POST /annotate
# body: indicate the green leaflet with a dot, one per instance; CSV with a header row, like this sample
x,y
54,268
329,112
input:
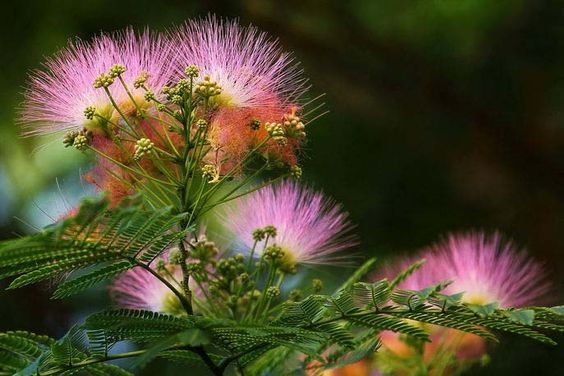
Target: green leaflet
x,y
76,285
363,347
371,295
406,273
118,238
384,322
185,356
359,273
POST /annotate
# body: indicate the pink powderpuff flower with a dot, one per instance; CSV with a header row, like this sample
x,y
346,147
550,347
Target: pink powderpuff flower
x,y
139,289
310,228
56,97
259,84
250,67
485,268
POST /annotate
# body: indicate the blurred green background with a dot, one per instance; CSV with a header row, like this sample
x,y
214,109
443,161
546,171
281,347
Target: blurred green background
x,y
445,115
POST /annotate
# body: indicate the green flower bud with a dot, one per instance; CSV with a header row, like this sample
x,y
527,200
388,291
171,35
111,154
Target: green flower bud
x,y
211,173
89,112
68,140
176,257
208,88
272,292
142,147
276,131
317,285
140,81
270,230
259,234
244,277
116,70
296,172
103,80
161,265
149,96
255,125
202,123
192,71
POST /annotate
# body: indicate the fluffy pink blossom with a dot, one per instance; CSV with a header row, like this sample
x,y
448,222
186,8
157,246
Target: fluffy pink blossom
x,y
311,228
139,289
486,268
250,67
57,96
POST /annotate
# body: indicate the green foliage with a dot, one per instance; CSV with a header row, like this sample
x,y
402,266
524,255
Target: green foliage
x,y
330,330
110,241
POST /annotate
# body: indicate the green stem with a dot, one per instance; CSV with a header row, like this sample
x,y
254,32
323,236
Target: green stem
x,y
183,299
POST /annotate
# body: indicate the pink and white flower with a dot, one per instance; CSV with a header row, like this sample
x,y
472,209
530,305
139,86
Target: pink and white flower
x,y
58,95
486,268
251,68
139,289
311,228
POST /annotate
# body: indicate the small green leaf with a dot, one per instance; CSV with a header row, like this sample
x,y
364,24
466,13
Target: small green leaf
x,y
194,337
483,310
522,316
559,310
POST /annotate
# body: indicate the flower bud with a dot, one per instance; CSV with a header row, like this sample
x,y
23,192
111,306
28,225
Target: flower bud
x,y
89,112
142,147
317,285
103,80
296,172
272,292
192,71
116,70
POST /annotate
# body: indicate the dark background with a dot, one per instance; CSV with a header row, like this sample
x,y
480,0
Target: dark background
x,y
445,115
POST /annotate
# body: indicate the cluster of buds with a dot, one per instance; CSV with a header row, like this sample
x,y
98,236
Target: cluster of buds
x,y
231,268
296,172
202,123
276,131
208,88
210,173
143,146
149,96
272,292
204,250
192,71
255,125
274,254
196,271
116,70
78,139
261,233
294,126
175,94
107,79
103,80
90,112
176,258
141,80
